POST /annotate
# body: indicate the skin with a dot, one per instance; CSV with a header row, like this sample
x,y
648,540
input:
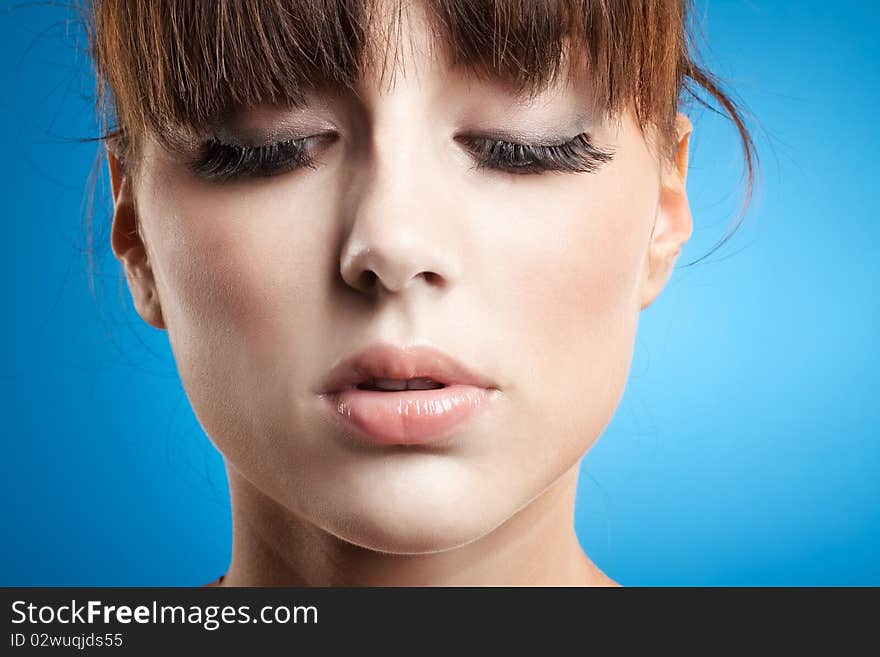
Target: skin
x,y
537,282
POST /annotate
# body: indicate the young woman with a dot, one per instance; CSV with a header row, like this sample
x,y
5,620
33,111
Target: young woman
x,y
400,250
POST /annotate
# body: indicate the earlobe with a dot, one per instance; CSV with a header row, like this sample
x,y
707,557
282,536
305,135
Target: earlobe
x,y
129,247
673,224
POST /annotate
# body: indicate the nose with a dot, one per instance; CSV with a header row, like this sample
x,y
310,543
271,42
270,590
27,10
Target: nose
x,y
400,233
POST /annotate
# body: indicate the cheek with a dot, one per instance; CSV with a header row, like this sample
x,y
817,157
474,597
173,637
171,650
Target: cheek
x,y
240,293
226,273
572,303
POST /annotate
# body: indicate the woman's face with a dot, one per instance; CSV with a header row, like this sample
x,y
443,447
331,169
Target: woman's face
x,y
537,281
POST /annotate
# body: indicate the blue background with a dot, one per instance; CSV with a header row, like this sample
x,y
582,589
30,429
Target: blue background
x,y
744,452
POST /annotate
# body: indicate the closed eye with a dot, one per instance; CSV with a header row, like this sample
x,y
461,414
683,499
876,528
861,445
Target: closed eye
x,y
220,161
578,155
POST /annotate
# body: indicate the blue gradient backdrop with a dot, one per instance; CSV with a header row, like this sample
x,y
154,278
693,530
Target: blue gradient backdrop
x,y
745,450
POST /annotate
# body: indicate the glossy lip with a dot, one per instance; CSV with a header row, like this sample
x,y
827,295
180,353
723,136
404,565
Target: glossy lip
x,y
407,417
391,362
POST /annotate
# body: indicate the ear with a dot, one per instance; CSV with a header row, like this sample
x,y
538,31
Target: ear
x,y
129,247
674,224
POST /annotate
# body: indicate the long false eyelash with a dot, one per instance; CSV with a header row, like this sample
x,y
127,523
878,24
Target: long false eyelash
x,y
220,161
223,161
579,154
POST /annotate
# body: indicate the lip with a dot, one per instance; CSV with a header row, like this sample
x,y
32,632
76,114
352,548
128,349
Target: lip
x,y
407,417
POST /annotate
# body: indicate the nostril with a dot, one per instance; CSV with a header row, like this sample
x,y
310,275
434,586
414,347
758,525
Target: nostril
x,y
368,279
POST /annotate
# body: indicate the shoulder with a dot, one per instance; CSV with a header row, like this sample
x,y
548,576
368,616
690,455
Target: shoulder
x,y
216,582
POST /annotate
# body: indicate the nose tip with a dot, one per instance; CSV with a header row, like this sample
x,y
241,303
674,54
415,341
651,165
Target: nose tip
x,y
374,271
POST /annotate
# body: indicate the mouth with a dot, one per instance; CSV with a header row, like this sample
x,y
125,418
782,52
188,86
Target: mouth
x,y
386,395
389,368
379,384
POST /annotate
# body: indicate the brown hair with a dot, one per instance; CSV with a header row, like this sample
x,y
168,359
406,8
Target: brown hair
x,y
166,65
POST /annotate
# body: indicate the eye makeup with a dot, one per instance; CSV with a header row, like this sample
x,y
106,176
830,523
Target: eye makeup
x,y
577,155
221,161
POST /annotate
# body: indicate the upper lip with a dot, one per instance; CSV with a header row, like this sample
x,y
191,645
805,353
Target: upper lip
x,y
383,360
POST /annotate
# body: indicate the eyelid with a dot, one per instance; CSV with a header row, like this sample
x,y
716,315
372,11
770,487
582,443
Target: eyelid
x,y
580,154
264,141
222,161
514,139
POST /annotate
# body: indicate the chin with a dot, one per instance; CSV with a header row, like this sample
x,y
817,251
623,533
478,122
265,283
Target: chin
x,y
425,536
419,521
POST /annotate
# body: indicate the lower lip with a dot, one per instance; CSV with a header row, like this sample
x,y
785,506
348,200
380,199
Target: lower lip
x,y
408,417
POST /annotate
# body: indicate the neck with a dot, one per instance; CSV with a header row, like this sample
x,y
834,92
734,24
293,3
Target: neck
x,y
537,546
